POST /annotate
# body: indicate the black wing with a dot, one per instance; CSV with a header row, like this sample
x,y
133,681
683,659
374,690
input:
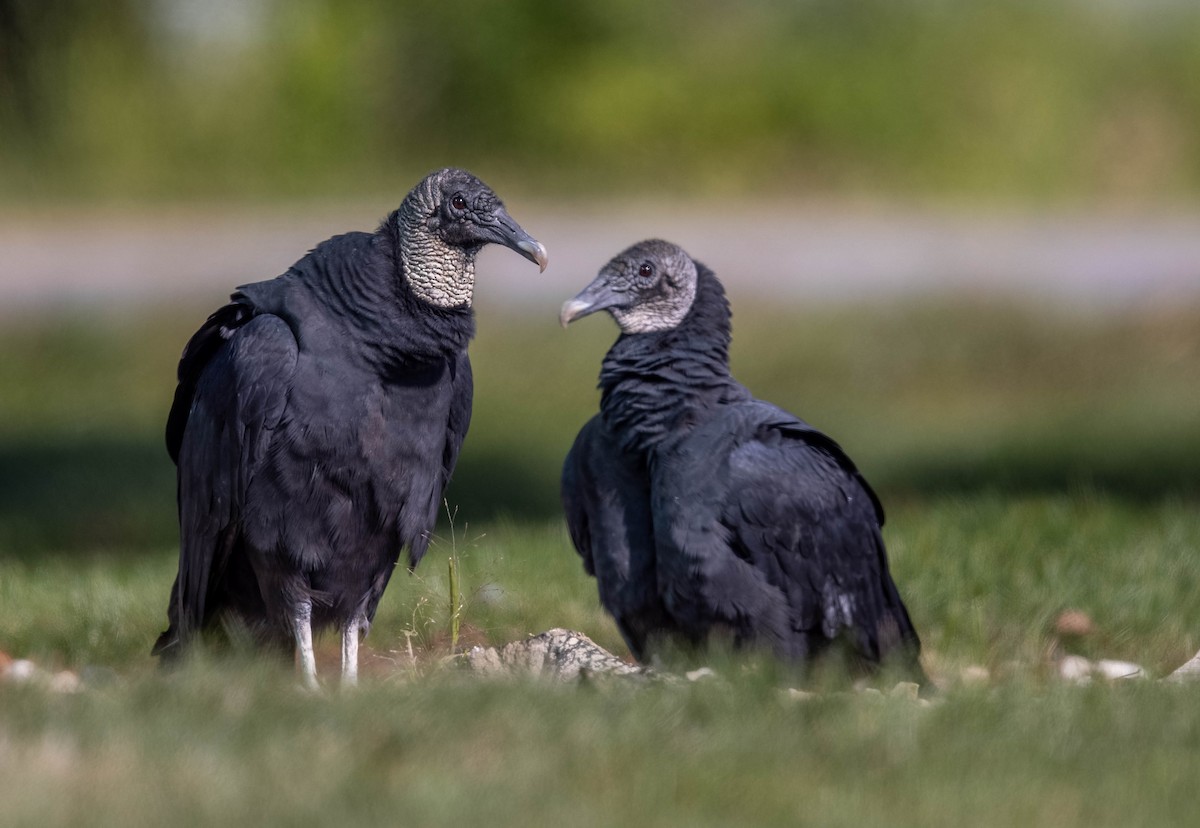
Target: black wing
x,y
764,525
578,491
798,515
458,420
606,498
234,381
199,351
463,384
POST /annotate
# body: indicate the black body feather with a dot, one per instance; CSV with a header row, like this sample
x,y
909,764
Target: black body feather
x,y
699,508
317,419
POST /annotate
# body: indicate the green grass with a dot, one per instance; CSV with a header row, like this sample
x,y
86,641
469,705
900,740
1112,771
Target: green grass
x,y
984,576
1031,461
246,747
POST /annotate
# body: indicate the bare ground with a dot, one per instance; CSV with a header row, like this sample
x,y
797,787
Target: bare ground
x,y
790,251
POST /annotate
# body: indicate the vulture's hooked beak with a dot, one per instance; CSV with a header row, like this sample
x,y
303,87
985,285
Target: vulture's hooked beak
x,y
597,296
504,230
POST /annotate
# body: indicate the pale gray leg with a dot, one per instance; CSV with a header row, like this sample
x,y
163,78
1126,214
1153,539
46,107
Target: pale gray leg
x,y
302,626
350,635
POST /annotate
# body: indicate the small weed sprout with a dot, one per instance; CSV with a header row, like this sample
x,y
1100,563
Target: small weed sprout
x,y
456,602
426,620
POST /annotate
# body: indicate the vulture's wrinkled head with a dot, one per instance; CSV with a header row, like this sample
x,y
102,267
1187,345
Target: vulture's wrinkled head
x,y
444,222
647,288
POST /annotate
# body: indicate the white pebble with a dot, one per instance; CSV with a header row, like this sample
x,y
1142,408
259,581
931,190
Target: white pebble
x,y
64,682
1188,672
975,675
1119,669
1079,670
1075,669
21,671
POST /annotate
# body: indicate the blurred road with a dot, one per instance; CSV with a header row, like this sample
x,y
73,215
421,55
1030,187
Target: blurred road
x,y
789,252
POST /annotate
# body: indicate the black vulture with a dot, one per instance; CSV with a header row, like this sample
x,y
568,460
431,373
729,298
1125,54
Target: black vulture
x,y
701,510
317,419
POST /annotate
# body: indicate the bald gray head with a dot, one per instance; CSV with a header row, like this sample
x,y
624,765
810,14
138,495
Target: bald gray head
x,y
648,288
443,223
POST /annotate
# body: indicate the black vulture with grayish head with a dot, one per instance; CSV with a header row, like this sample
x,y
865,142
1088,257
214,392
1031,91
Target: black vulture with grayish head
x,y
317,420
700,509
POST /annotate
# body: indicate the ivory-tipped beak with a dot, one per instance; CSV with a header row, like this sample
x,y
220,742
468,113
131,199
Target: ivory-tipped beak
x,y
501,229
597,296
536,251
572,309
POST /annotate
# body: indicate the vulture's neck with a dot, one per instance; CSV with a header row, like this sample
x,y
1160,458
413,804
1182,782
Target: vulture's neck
x,y
656,385
414,328
348,295
439,274
391,327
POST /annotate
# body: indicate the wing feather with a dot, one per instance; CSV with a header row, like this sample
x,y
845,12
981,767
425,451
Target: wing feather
x,y
606,500
763,525
235,399
799,515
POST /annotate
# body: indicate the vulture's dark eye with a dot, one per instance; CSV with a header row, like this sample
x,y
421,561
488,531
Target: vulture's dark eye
x,y
646,270
458,202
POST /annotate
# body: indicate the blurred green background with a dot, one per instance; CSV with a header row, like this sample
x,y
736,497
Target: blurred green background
x,y
122,123
1016,99
195,108
961,237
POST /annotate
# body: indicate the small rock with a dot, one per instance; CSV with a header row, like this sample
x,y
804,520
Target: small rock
x,y
1189,671
906,690
974,675
1075,669
701,673
1079,670
1074,623
21,671
558,654
484,660
795,694
64,682
1116,670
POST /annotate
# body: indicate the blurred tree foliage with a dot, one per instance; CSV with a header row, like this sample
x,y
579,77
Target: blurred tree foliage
x,y
299,98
